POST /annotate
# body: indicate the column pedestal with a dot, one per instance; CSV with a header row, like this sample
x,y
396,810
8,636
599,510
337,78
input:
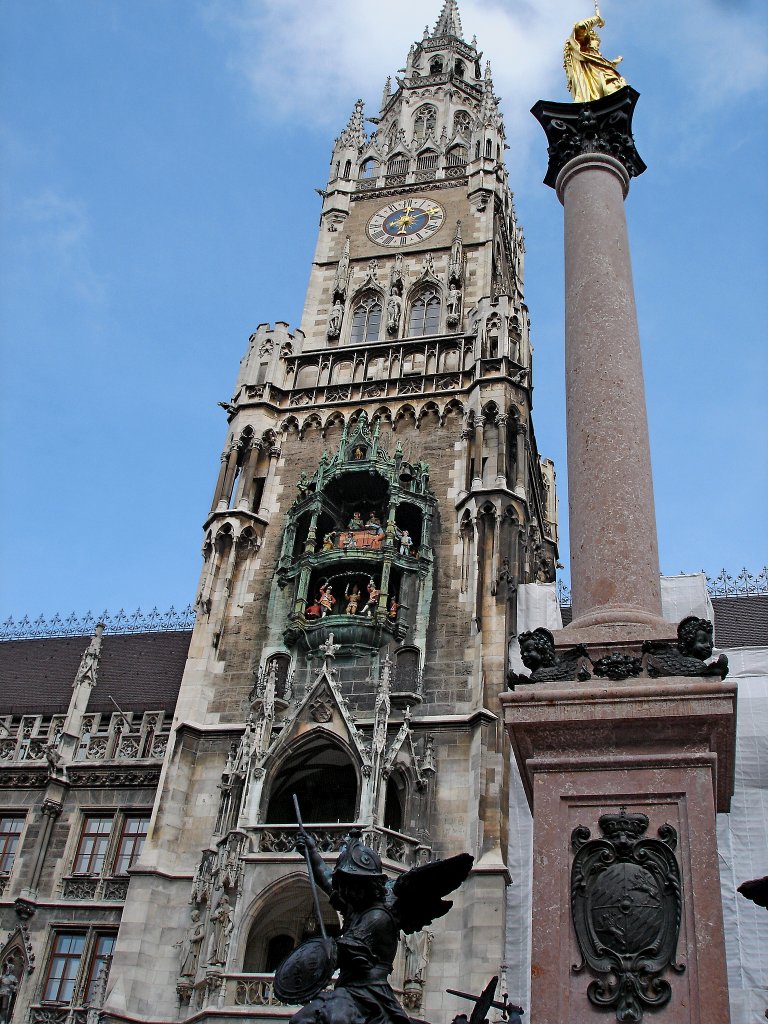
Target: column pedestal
x,y
663,748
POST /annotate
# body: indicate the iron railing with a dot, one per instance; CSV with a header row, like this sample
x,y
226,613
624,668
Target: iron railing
x,y
745,584
171,621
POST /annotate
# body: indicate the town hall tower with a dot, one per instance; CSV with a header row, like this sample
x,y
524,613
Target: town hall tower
x,y
379,499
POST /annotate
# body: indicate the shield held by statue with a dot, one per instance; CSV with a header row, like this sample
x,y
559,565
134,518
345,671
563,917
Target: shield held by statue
x,y
306,971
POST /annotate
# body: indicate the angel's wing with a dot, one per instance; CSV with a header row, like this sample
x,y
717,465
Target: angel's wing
x,y
417,896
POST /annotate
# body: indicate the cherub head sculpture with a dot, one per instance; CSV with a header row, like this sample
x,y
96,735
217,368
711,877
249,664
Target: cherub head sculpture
x,y
695,638
537,649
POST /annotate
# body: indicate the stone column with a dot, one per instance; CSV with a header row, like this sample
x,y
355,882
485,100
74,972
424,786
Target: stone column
x,y
614,553
501,453
229,476
477,477
520,457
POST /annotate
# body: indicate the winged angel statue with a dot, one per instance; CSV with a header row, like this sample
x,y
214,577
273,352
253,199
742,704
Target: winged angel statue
x,y
375,910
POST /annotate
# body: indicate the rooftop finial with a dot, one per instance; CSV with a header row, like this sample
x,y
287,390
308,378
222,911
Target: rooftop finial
x,y
449,22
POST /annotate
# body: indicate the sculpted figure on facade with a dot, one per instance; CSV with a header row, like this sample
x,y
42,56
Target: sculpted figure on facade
x,y
9,983
222,921
537,652
335,318
690,656
191,945
588,73
394,311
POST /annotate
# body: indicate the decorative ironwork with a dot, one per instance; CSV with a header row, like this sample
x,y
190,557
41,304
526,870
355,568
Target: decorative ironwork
x,y
172,621
626,905
745,584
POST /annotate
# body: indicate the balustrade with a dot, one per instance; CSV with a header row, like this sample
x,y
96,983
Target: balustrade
x,y
395,847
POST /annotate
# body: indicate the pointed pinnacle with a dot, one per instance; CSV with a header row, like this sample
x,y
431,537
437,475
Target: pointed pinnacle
x,y
449,22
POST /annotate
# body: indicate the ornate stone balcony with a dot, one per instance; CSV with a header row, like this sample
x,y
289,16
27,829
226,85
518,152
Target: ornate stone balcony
x,y
395,848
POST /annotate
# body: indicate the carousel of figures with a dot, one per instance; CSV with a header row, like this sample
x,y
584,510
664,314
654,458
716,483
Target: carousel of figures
x,y
326,600
375,910
373,598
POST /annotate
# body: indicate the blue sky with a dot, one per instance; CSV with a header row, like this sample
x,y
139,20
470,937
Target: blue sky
x,y
159,164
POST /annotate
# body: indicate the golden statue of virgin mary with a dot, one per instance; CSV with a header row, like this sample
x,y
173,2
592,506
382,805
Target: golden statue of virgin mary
x,y
589,74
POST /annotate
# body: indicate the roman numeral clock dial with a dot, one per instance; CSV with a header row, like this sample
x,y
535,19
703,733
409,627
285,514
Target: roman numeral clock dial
x,y
405,222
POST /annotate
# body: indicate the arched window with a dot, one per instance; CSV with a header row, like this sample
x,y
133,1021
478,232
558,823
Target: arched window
x,y
394,804
458,69
436,66
462,123
427,160
424,122
425,315
489,149
407,669
457,156
280,664
477,150
369,168
347,169
342,372
323,778
287,919
307,375
366,320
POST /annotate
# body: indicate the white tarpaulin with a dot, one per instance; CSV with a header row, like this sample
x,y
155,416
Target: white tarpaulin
x,y
742,834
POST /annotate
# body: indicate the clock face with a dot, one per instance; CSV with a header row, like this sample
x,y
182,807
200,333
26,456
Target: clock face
x,y
405,222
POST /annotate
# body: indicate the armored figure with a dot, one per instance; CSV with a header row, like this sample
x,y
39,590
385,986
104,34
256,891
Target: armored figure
x,y
374,910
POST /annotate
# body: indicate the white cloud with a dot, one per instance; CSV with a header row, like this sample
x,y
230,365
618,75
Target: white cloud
x,y
59,227
309,62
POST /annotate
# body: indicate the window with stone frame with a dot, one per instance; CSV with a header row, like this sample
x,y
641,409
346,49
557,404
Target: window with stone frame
x,y
75,966
424,317
424,122
366,320
11,827
462,123
131,842
109,844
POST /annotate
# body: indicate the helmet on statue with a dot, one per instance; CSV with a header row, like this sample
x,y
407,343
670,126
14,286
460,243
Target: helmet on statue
x,y
357,860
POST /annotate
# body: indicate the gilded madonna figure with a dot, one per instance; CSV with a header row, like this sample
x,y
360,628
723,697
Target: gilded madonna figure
x,y
589,74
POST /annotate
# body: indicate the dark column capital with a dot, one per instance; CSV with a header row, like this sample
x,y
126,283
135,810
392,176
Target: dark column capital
x,y
602,126
51,808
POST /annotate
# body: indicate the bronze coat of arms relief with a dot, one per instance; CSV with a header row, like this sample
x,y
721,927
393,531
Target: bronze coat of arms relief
x,y
626,905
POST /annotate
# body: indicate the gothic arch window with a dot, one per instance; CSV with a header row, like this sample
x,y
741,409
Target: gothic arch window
x,y
462,123
342,371
366,320
395,802
398,164
321,774
457,156
407,669
424,318
281,665
436,66
286,919
369,168
459,69
477,150
424,122
307,375
427,160
488,149
348,170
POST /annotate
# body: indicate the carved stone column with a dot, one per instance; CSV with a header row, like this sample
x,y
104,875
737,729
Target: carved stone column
x,y
477,477
520,458
501,454
229,475
50,810
220,481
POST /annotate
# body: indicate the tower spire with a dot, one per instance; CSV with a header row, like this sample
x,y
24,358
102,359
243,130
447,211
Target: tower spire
x,y
354,133
449,22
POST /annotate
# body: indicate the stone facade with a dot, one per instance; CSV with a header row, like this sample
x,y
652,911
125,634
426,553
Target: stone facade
x,y
405,397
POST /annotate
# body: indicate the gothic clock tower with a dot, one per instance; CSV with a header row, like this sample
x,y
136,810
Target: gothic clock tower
x,y
380,497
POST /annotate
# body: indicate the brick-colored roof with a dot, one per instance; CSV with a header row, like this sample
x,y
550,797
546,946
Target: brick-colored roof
x,y
739,621
141,671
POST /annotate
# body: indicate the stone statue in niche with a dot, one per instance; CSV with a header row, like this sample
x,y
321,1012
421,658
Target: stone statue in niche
x,y
9,983
453,306
375,910
695,643
334,319
537,652
222,921
394,312
191,945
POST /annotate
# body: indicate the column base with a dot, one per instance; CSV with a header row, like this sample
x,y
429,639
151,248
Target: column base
x,y
659,747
